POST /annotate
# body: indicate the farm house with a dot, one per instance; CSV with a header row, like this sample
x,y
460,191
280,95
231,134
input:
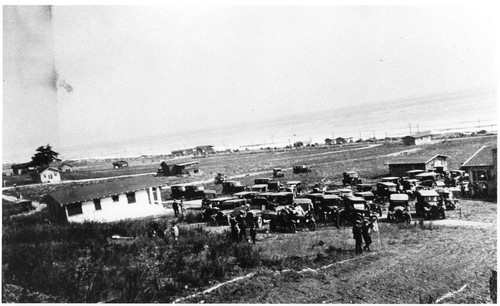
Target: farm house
x,y
49,175
188,168
482,165
125,199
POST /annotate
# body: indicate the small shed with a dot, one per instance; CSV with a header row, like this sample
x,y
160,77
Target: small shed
x,y
188,168
437,163
66,167
417,139
49,175
204,150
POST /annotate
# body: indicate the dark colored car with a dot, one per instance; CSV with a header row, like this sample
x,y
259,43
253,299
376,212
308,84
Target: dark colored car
x,y
277,172
230,187
399,208
370,200
301,169
428,205
351,178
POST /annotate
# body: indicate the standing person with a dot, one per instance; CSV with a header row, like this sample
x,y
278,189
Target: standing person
x,y
357,235
175,207
253,232
242,226
365,232
235,230
462,190
174,230
182,208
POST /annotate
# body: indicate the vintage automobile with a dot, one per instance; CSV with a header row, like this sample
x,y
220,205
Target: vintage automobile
x,y
286,219
232,208
230,187
275,200
411,174
390,179
370,200
220,178
346,192
384,191
215,202
410,184
364,187
259,188
399,208
246,194
326,206
351,178
456,177
261,181
446,198
301,169
430,179
293,186
428,206
272,185
177,191
277,172
354,207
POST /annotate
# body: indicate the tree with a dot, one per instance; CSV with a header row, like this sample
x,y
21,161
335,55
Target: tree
x,y
44,156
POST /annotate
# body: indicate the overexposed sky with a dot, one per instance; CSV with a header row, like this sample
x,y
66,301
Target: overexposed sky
x,y
139,70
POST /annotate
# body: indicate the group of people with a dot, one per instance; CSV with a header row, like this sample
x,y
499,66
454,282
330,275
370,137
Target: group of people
x,y
155,230
239,225
178,208
361,231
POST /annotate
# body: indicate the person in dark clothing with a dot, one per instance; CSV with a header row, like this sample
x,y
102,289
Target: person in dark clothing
x,y
175,207
253,232
235,230
357,235
242,224
365,232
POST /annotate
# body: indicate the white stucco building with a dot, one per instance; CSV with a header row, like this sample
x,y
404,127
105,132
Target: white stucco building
x,y
124,199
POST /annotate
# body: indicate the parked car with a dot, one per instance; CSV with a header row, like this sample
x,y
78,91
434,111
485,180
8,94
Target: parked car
x,y
429,179
293,186
399,208
286,219
220,178
446,198
210,207
246,194
351,178
353,206
456,177
230,187
364,187
370,200
301,169
384,191
428,206
276,200
277,172
261,181
411,174
326,206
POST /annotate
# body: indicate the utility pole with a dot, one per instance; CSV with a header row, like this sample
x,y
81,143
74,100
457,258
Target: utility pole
x,y
373,134
409,123
418,130
359,134
272,137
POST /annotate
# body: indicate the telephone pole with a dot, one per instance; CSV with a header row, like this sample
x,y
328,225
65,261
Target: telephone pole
x,y
409,123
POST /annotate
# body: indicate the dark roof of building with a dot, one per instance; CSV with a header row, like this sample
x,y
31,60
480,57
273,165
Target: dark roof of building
x,y
483,157
204,147
186,164
48,168
419,135
413,161
87,193
23,165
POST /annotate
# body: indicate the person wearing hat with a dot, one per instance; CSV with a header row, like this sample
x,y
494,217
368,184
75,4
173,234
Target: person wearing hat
x,y
357,235
242,224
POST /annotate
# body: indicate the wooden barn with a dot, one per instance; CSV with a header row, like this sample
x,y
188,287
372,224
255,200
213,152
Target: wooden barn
x,y
124,199
482,165
23,168
437,163
66,167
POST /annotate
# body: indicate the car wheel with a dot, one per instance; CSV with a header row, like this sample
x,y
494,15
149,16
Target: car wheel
x,y
407,218
259,222
312,226
293,228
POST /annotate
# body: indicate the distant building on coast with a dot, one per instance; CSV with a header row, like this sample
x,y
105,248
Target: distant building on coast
x,y
66,167
437,163
184,168
204,150
417,139
124,199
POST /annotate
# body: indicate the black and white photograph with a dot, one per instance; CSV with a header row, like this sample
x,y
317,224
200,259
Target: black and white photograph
x,y
250,153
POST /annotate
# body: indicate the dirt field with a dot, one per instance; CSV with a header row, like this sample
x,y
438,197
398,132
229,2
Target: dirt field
x,y
418,263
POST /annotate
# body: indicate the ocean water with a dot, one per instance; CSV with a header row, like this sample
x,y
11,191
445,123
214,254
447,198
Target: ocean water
x,y
452,112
